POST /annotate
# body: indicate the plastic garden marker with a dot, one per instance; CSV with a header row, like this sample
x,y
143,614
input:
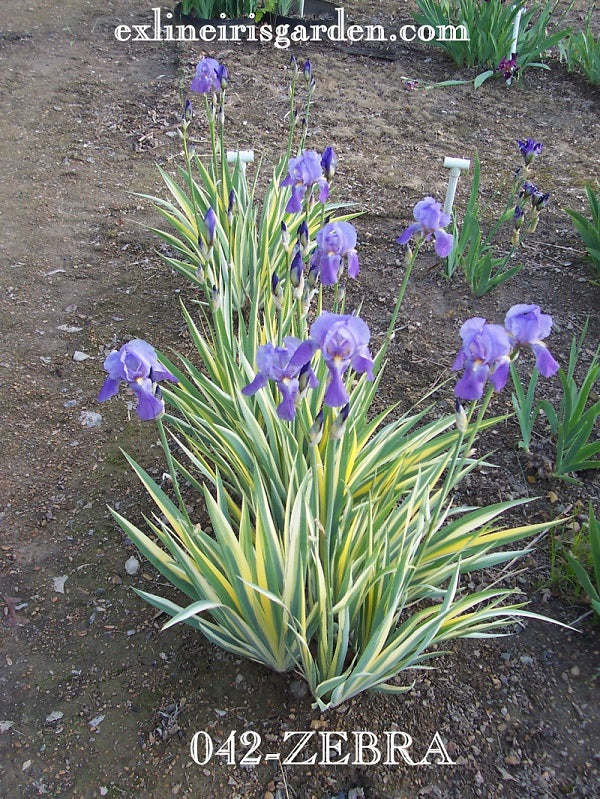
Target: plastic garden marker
x,y
456,166
243,156
515,37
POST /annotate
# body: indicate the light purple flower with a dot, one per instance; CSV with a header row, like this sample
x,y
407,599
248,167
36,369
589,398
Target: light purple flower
x,y
485,354
335,241
343,341
526,327
206,78
305,172
431,221
280,365
137,365
530,149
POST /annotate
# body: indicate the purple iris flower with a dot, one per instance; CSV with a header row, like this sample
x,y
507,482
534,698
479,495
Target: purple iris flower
x,y
329,162
530,149
137,365
305,171
280,365
335,241
527,326
343,341
485,354
206,78
508,67
431,221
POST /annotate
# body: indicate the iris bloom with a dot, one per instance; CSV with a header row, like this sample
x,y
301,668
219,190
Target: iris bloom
x,y
305,172
508,67
343,341
137,365
526,327
335,241
431,221
485,354
530,149
208,76
279,364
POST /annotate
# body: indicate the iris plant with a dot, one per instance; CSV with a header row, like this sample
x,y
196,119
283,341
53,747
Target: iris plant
x,y
137,365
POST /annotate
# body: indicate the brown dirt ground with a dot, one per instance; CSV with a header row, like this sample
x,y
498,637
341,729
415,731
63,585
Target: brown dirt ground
x,y
84,119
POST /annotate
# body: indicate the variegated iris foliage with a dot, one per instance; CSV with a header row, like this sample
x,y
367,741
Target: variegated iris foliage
x,y
333,546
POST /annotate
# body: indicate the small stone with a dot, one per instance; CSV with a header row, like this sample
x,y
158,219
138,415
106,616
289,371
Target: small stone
x,y
79,356
132,566
90,419
575,672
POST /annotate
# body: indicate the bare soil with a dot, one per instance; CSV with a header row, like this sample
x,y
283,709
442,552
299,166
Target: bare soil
x,y
95,700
